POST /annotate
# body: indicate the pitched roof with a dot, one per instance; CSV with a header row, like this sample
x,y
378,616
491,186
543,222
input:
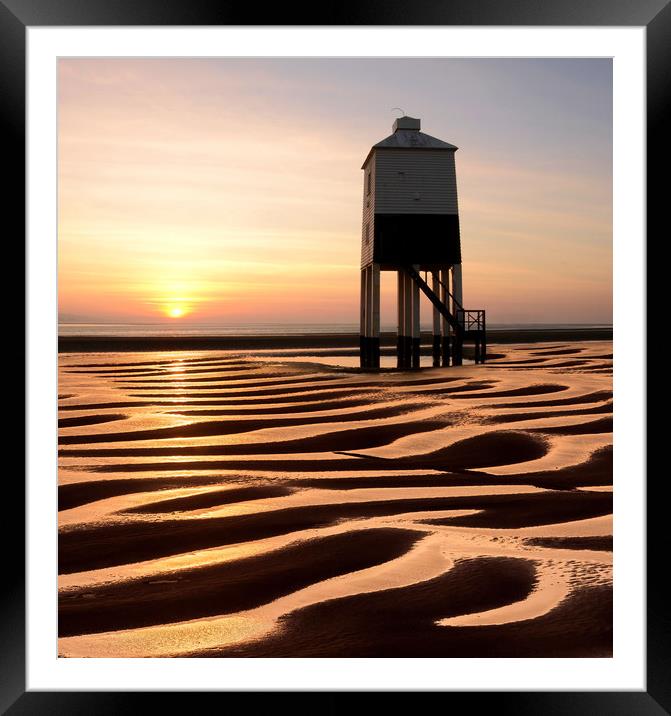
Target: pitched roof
x,y
412,139
405,136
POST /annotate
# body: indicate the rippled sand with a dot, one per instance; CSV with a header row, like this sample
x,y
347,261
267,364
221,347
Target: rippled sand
x,y
211,504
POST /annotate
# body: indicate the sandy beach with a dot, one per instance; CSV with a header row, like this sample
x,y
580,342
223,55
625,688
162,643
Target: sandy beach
x,y
262,499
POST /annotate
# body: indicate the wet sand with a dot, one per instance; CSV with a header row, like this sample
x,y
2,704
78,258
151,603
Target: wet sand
x,y
217,503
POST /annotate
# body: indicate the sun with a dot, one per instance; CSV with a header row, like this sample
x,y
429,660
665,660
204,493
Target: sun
x,y
175,305
175,311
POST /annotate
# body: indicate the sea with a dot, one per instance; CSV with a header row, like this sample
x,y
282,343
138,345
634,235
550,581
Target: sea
x,y
267,329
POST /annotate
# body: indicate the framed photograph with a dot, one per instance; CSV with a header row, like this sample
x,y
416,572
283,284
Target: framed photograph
x,y
335,354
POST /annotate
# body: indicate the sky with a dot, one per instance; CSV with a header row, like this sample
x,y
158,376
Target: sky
x,y
230,190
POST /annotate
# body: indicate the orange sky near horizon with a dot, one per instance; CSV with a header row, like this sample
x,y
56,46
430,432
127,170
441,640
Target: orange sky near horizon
x,y
229,190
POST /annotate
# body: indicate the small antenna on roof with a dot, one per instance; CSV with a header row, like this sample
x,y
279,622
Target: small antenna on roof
x,y
398,109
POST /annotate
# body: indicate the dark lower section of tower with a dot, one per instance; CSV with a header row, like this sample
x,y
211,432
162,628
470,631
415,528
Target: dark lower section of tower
x,y
435,240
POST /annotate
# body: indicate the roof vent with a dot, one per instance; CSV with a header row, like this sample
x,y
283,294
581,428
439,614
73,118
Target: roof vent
x,y
406,123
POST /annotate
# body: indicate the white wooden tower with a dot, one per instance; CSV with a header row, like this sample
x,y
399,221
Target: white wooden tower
x,y
411,226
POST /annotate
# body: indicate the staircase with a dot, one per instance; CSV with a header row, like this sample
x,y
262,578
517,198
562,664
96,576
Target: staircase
x,y
467,325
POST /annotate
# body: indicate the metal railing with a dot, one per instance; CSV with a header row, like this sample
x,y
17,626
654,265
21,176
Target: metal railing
x,y
473,320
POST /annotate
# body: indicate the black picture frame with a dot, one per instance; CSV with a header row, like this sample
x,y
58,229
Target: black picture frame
x,y
18,15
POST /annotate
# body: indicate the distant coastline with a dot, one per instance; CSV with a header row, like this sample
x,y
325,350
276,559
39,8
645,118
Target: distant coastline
x,y
348,341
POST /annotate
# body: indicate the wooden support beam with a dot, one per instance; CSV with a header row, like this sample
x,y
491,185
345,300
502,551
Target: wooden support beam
x,y
407,321
362,322
415,322
457,293
445,326
437,321
457,288
374,328
457,349
400,338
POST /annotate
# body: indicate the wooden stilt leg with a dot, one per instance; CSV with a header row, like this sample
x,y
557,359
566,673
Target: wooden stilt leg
x,y
457,349
362,324
407,350
375,317
436,343
445,326
415,323
400,331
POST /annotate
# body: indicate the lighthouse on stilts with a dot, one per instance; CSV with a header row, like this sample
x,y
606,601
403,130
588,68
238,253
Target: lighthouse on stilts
x,y
411,226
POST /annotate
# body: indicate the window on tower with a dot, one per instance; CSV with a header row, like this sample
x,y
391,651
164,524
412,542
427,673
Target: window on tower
x,y
367,232
368,180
